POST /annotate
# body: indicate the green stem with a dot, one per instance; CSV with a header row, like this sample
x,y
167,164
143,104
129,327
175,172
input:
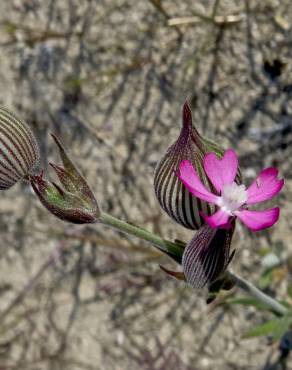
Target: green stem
x,y
172,249
175,251
258,294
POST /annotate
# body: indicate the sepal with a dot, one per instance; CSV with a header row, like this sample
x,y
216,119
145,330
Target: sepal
x,y
73,200
207,255
175,274
172,195
18,149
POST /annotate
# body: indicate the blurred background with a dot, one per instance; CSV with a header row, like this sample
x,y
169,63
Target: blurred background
x,y
109,77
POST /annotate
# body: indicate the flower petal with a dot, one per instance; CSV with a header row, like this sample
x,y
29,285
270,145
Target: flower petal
x,y
265,186
218,219
192,182
221,171
259,220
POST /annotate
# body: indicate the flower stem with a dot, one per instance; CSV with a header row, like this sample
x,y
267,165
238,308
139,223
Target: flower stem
x,y
175,251
258,294
171,249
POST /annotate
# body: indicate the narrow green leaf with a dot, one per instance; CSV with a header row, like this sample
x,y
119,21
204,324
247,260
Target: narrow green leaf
x,y
283,326
276,327
248,302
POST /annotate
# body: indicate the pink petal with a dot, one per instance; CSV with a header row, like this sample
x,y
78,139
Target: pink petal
x,y
258,220
221,171
265,186
192,182
218,219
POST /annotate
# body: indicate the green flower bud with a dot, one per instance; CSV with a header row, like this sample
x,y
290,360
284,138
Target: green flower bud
x,y
73,201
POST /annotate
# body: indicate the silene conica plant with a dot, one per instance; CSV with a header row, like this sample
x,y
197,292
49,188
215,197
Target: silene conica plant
x,y
196,182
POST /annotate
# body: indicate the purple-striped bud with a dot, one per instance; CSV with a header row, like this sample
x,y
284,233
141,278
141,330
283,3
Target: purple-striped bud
x,y
18,149
73,200
173,196
207,255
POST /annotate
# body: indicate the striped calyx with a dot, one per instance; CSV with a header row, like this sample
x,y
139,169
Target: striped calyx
x,y
207,255
18,149
172,195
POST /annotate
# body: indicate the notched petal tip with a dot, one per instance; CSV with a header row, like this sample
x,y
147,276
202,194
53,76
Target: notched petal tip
x,y
221,171
265,187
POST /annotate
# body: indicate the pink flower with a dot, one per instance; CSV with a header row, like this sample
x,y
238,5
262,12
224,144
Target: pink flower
x,y
232,199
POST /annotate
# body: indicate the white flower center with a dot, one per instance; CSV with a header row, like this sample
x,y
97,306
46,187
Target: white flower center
x,y
233,196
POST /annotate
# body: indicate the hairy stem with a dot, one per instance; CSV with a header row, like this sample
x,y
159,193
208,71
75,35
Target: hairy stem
x,y
175,251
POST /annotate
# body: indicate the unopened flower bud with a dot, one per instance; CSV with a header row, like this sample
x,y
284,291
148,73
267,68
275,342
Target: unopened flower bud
x,y
207,255
73,200
173,196
18,149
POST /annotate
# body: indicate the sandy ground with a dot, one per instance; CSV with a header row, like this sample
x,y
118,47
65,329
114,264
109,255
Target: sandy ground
x,y
110,77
